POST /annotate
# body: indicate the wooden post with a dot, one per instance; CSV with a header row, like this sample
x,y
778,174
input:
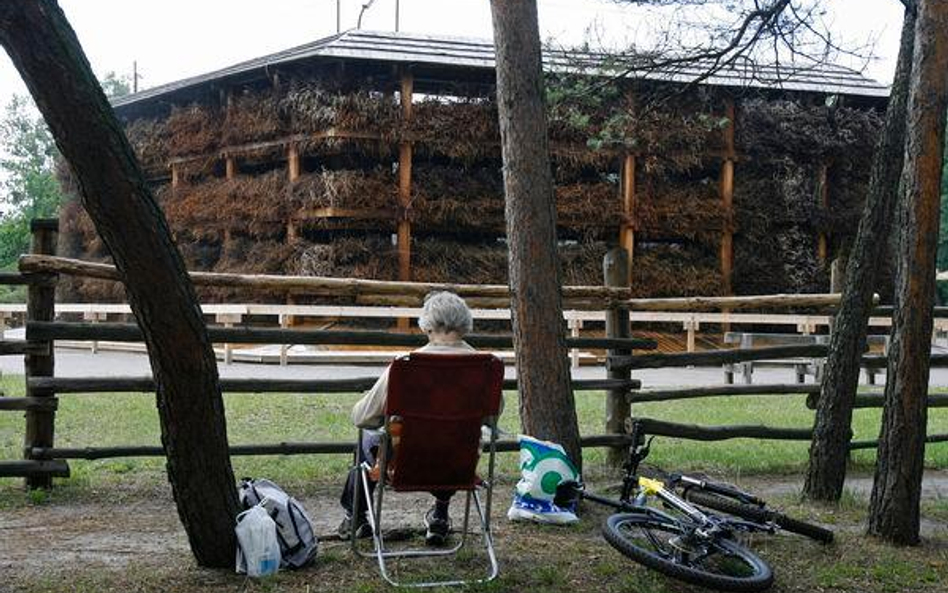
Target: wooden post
x,y
627,230
615,267
726,188
230,167
404,191
691,326
292,228
94,317
40,306
293,167
575,327
228,319
284,357
175,176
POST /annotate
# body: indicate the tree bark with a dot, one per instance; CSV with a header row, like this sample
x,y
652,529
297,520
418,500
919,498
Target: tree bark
x,y
896,490
47,53
547,409
832,427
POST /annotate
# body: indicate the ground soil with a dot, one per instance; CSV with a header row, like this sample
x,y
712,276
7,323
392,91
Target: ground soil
x,y
129,539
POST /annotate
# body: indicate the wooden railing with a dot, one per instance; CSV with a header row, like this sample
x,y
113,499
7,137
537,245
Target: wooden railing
x,y
43,460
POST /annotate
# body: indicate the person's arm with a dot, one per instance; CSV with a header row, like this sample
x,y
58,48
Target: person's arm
x,y
369,412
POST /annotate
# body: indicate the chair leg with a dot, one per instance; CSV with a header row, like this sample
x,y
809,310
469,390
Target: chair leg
x,y
381,554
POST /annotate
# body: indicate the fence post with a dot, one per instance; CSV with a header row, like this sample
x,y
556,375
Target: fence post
x,y
615,267
40,306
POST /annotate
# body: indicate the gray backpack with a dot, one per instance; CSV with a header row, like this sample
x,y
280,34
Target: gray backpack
x,y
295,531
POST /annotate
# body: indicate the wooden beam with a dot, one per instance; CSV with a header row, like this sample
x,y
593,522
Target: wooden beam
x,y
130,332
627,229
714,357
293,161
661,395
293,174
336,212
600,296
95,385
726,189
16,278
40,306
46,404
721,433
13,347
404,189
34,469
876,400
404,183
732,303
322,448
616,270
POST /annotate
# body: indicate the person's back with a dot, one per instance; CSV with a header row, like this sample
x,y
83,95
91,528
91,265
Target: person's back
x,y
446,319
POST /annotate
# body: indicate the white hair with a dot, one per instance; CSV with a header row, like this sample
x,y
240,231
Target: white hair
x,y
445,312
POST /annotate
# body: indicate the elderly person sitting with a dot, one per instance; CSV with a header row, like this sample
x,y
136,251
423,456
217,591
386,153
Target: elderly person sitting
x,y
445,318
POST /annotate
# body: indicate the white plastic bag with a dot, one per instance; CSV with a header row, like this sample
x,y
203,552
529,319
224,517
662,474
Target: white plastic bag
x,y
543,465
258,551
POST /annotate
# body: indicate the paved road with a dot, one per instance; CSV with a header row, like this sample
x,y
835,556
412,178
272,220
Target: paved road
x,y
81,363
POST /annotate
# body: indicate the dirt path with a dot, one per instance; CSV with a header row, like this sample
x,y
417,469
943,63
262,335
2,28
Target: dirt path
x,y
113,532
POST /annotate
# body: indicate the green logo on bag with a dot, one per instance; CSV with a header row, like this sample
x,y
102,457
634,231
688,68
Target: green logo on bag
x,y
543,466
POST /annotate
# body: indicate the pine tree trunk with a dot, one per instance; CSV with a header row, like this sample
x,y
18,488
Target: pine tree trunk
x,y
45,50
894,506
832,431
547,409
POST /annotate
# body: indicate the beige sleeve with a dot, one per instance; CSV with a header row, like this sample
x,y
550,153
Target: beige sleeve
x,y
369,412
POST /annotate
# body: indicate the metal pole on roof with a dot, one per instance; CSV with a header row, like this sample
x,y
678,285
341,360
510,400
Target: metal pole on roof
x,y
338,16
397,3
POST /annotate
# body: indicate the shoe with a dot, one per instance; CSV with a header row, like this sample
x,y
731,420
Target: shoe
x,y
362,528
437,526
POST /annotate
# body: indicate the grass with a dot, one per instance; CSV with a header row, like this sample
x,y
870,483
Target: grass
x,y
102,420
533,557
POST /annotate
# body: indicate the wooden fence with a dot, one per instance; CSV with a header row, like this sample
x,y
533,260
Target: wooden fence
x,y
43,460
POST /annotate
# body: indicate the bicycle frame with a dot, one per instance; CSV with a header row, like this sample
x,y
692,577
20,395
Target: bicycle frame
x,y
637,489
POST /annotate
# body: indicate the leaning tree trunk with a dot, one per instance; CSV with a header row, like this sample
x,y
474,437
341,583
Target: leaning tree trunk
x,y
896,490
832,430
547,409
45,50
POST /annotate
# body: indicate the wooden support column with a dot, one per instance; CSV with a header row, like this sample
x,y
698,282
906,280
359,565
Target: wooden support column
x,y
293,167
404,190
615,267
627,230
40,306
229,319
823,189
292,226
230,172
175,176
726,189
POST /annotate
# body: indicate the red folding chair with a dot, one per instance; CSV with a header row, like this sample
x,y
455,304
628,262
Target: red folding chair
x,y
436,406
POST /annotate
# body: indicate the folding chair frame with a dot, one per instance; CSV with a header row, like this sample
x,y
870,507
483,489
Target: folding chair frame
x,y
375,516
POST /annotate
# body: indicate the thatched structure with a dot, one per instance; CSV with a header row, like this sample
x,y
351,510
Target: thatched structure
x,y
303,164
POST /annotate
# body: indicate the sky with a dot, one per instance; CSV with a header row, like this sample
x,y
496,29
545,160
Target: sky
x,y
175,39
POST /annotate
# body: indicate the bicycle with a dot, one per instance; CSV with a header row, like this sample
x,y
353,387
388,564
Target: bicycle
x,y
689,543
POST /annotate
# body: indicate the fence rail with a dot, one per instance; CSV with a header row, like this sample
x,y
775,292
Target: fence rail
x,y
610,303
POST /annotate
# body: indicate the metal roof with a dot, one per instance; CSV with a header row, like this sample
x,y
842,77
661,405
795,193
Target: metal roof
x,y
478,54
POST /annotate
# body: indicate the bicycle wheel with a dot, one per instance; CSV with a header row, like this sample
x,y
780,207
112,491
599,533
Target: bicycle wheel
x,y
756,513
658,541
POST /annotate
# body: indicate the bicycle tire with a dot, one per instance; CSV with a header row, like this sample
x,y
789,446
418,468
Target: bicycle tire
x,y
619,531
755,513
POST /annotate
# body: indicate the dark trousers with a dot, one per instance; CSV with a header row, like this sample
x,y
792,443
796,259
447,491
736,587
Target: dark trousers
x,y
368,450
